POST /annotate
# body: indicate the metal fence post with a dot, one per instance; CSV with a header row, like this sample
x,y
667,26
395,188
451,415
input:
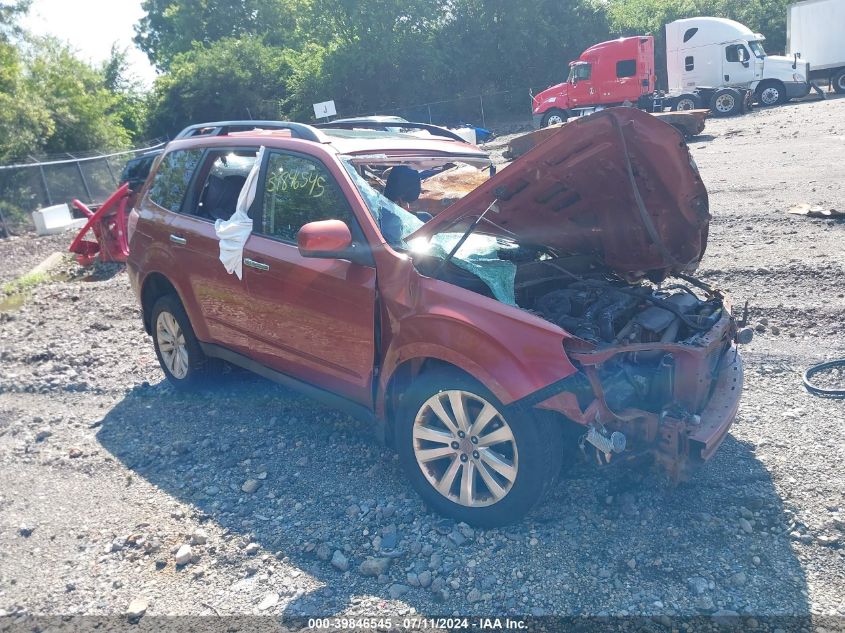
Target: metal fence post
x,y
45,185
483,121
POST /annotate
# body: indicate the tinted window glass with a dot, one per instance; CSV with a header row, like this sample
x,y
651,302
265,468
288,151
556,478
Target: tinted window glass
x,y
626,68
689,64
736,53
298,191
172,178
689,33
226,173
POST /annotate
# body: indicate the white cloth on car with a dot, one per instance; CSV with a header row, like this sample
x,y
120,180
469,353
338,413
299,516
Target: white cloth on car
x,y
234,232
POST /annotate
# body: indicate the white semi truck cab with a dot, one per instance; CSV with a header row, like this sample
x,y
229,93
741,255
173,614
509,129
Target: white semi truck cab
x,y
707,53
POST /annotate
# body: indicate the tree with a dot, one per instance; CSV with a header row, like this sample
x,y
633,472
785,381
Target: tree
x,y
230,79
171,27
80,106
130,103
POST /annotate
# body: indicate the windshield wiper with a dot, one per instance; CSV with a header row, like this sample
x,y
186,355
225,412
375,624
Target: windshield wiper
x,y
463,239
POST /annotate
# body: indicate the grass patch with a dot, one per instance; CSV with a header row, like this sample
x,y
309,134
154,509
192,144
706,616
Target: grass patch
x,y
24,283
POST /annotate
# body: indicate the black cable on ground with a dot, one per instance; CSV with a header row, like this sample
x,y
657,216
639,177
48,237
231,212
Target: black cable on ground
x,y
819,391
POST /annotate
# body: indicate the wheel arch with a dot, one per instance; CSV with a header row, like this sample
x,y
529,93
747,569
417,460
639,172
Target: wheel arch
x,y
155,285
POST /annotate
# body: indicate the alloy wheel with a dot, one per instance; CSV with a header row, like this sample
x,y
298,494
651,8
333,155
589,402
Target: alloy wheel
x,y
465,448
171,344
554,119
686,104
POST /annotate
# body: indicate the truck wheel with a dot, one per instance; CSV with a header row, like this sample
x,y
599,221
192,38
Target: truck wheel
x,y
553,117
771,93
687,101
468,457
178,351
839,81
726,102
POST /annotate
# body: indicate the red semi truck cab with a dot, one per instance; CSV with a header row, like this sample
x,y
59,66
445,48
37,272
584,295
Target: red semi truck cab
x,y
608,73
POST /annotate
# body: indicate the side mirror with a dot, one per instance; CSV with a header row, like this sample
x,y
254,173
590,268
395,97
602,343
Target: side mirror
x,y
745,63
330,239
326,238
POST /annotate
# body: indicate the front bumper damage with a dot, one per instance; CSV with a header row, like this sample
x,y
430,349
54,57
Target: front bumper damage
x,y
704,385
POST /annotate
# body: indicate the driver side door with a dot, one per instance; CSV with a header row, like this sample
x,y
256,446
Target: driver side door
x,y
311,319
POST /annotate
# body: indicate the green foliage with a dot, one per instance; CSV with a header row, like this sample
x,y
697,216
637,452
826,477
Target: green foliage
x,y
229,79
170,27
75,95
129,105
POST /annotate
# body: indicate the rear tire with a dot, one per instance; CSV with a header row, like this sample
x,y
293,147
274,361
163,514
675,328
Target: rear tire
x,y
726,102
770,93
554,116
839,82
179,353
487,466
687,101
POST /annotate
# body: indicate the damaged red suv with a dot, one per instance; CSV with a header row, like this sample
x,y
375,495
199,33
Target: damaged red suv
x,y
553,306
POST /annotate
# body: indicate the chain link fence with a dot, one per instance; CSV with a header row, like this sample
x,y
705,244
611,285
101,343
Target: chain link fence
x,y
89,176
492,110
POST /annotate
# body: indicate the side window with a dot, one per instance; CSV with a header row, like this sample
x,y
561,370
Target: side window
x,y
224,173
689,63
689,33
299,190
172,178
736,53
626,68
583,71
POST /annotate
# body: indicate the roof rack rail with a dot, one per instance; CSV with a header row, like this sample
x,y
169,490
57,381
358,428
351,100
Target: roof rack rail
x,y
222,128
374,124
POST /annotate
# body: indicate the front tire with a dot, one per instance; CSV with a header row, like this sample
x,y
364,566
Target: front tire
x,y
468,457
179,353
726,102
771,93
555,116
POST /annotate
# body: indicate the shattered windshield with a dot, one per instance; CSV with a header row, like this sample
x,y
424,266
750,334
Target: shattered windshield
x,y
757,49
479,254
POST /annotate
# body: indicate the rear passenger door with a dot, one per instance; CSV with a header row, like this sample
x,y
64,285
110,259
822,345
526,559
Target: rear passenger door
x,y
217,302
312,319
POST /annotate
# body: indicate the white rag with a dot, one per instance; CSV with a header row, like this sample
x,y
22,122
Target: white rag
x,y
234,232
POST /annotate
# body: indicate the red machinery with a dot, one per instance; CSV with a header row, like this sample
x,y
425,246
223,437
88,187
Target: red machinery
x,y
109,226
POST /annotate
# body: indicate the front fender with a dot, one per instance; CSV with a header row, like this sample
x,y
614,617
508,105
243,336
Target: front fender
x,y
512,358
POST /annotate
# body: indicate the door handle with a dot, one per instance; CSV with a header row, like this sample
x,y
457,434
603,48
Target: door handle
x,y
181,241
254,264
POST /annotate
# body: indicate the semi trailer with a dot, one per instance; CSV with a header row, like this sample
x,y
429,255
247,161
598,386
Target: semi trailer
x,y
815,32
711,62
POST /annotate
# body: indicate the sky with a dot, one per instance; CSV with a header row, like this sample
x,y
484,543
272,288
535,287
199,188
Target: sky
x,y
90,27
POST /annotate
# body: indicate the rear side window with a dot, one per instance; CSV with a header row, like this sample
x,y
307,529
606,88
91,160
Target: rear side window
x,y
297,191
172,178
626,68
690,32
689,63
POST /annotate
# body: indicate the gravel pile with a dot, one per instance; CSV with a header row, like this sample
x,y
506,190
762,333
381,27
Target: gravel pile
x,y
120,496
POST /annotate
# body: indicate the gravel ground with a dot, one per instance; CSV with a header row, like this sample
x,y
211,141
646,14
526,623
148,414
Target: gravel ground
x,y
119,494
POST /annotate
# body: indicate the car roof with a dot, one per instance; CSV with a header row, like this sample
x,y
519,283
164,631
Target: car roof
x,y
350,142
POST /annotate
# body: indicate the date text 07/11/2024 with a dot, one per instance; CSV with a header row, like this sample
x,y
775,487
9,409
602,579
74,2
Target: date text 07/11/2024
x,y
418,623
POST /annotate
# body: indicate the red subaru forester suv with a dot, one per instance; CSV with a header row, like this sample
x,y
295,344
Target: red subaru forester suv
x,y
531,315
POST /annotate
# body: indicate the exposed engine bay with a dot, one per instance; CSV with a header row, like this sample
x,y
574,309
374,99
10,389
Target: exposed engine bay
x,y
597,306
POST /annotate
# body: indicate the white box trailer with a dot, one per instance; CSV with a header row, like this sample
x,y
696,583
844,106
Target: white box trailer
x,y
815,31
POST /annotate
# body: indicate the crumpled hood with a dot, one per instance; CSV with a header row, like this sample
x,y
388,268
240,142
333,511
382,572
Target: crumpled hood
x,y
619,185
